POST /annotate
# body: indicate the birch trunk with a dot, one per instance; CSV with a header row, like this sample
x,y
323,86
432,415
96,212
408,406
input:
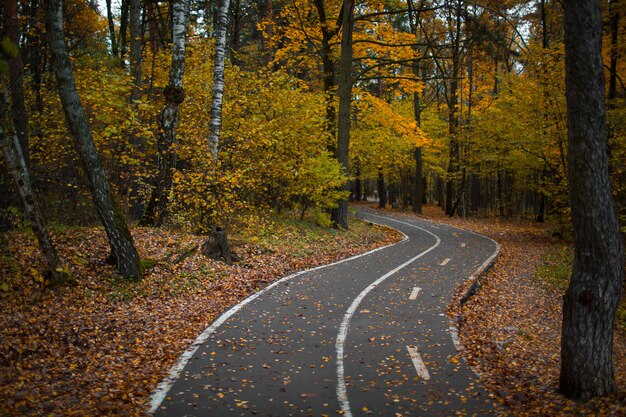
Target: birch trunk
x,y
16,165
123,251
168,120
591,300
339,216
215,124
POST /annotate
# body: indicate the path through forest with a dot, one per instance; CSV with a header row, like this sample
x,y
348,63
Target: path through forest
x,y
365,336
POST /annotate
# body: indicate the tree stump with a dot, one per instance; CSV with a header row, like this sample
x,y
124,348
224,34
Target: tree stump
x,y
216,247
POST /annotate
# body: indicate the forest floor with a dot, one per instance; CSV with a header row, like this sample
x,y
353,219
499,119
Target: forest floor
x,y
100,346
511,327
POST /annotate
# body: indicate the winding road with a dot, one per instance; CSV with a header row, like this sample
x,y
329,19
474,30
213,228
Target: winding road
x,y
367,336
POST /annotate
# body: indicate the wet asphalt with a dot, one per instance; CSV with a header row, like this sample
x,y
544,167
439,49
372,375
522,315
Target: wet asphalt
x,y
278,355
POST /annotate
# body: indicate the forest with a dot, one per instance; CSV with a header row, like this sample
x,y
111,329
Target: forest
x,y
132,121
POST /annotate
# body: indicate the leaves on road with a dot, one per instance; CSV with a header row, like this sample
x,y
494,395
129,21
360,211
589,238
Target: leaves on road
x,y
101,346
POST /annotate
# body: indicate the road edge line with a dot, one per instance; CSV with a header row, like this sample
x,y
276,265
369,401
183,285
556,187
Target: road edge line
x,y
160,392
342,392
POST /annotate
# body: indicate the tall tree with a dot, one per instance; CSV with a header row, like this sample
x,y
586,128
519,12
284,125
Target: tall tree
x,y
112,37
455,30
123,251
215,123
16,76
136,44
594,291
168,119
16,165
339,216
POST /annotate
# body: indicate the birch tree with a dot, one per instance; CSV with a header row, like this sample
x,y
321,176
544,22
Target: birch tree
x,y
168,119
123,251
215,124
16,165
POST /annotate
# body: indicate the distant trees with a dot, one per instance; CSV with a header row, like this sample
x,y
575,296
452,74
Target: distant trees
x,y
433,107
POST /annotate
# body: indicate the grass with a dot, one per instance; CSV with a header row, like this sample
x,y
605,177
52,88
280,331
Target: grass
x,y
556,270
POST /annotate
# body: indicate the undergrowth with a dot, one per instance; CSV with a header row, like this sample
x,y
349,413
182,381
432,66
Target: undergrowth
x,y
555,272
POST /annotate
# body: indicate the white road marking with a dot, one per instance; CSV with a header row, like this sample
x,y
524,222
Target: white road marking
x,y
342,393
414,293
445,262
422,372
158,395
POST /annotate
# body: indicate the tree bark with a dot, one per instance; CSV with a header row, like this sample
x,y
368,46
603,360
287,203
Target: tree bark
x,y
453,117
339,216
614,22
418,194
168,120
215,124
123,250
328,68
16,78
592,297
382,190
136,42
112,37
123,37
19,171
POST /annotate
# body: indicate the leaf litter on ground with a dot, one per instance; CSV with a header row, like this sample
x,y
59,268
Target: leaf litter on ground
x,y
101,346
511,328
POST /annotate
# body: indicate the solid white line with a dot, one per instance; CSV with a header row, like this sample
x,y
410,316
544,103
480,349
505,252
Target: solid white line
x,y
422,372
342,393
158,395
445,262
414,293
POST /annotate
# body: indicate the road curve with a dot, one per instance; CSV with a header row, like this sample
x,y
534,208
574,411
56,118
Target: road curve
x,y
365,336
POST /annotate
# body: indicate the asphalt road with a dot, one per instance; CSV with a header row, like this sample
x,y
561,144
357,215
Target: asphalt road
x,y
363,337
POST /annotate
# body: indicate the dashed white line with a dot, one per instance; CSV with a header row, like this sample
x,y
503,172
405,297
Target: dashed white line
x,y
445,262
342,392
160,392
420,367
414,293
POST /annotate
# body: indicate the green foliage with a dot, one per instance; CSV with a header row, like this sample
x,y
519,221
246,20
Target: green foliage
x,y
556,269
272,156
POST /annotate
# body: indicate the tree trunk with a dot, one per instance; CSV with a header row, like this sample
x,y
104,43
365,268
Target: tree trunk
x,y
17,166
453,117
614,16
339,216
136,42
16,75
112,37
328,68
216,247
418,194
382,190
474,193
168,120
215,123
123,31
592,297
123,250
